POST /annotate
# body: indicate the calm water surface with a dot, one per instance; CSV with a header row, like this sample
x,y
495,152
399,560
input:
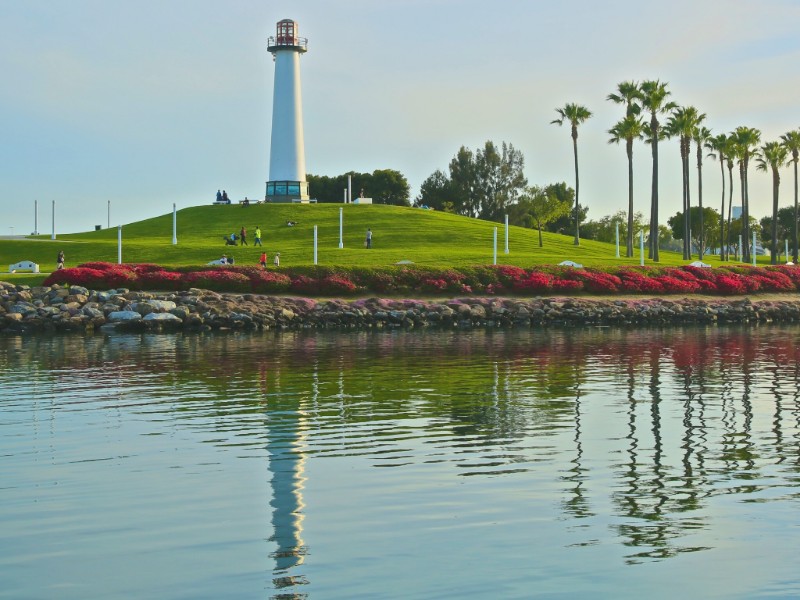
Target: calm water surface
x,y
594,463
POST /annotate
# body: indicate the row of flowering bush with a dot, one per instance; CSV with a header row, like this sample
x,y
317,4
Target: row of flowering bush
x,y
483,280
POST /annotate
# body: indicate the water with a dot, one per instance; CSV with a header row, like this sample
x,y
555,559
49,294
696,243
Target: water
x,y
596,463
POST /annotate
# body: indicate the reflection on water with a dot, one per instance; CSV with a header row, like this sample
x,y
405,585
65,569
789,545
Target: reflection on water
x,y
580,461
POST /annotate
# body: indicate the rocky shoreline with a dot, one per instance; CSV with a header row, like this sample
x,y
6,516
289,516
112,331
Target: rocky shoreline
x,y
25,309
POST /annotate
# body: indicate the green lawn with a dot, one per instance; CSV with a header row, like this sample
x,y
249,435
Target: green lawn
x,y
424,237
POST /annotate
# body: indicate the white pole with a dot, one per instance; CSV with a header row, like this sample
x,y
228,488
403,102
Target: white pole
x,y
786,252
53,235
119,244
315,244
617,233
35,217
109,214
741,254
641,248
350,189
506,234
174,225
344,196
341,228
495,246
754,248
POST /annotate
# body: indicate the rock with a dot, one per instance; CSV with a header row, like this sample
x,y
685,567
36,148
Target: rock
x,y
124,316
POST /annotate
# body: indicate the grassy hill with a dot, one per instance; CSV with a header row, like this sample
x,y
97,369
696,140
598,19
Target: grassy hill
x,y
424,237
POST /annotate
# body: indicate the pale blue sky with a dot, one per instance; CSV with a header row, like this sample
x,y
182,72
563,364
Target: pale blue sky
x,y
149,103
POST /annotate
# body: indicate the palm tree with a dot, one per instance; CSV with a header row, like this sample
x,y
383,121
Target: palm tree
x,y
682,124
575,114
792,142
719,149
628,93
701,136
654,95
628,129
771,158
746,140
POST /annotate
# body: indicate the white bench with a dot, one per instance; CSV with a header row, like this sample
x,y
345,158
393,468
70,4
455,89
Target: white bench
x,y
24,265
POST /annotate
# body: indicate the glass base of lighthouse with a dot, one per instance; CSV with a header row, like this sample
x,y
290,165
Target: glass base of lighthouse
x,y
287,191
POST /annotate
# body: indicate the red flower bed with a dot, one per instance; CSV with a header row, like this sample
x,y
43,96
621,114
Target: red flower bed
x,y
491,280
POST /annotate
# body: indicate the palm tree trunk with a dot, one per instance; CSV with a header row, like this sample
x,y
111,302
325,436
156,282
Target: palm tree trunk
x,y
730,212
700,199
722,210
794,224
776,182
654,192
687,242
629,236
577,241
745,251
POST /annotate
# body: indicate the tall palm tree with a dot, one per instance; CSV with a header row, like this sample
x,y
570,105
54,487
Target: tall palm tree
x,y
628,93
701,136
792,142
746,140
575,114
771,158
654,95
719,150
628,129
682,124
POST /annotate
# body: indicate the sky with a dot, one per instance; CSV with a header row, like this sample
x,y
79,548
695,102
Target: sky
x,y
148,104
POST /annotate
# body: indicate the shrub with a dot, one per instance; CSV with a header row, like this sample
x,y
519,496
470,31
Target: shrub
x,y
221,280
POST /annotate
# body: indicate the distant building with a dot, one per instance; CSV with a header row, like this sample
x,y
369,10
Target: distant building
x,y
736,212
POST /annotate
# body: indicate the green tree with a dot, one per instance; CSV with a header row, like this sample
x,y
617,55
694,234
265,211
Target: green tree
x,y
746,141
575,114
654,96
536,208
785,227
771,158
629,128
436,192
385,186
791,140
605,229
563,224
481,184
677,225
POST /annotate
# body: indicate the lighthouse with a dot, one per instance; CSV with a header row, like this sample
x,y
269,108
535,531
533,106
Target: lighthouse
x,y
287,161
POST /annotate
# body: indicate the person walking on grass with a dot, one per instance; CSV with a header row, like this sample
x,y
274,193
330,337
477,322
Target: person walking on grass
x,y
263,260
243,236
277,260
368,241
257,235
60,260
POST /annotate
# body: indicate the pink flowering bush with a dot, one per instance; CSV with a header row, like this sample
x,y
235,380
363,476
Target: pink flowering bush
x,y
410,279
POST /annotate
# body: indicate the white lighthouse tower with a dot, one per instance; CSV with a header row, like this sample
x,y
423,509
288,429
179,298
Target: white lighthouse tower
x,y
287,161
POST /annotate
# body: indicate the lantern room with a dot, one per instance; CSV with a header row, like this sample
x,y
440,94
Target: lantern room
x,y
286,38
